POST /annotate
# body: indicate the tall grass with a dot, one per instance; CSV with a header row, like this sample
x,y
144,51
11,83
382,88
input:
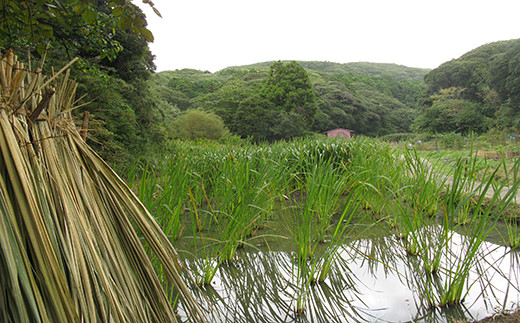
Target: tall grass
x,y
241,202
164,192
480,206
315,188
424,184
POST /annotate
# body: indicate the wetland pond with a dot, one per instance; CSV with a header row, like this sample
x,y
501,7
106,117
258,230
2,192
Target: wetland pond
x,y
319,230
371,280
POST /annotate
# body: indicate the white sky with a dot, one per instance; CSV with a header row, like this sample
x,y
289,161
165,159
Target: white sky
x,y
215,34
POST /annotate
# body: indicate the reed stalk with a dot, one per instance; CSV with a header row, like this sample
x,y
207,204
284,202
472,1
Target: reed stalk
x,y
67,223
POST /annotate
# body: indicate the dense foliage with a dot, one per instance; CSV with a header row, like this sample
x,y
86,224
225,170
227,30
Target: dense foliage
x,y
133,111
196,124
476,92
280,100
115,65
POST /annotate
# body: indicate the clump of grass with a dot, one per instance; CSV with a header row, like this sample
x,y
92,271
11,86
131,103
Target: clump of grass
x,y
424,185
322,265
242,202
513,232
485,212
164,192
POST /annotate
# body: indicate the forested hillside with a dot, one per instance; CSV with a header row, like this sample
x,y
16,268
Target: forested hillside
x,y
476,92
371,99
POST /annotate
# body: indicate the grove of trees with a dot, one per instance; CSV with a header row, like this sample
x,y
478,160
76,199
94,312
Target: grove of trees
x,y
281,100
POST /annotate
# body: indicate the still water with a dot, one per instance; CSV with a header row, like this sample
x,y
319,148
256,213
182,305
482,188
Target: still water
x,y
372,280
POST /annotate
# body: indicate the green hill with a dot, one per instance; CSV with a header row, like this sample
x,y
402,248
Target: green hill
x,y
398,72
369,98
475,92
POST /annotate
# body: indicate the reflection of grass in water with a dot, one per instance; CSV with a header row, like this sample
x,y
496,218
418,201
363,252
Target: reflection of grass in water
x,y
463,208
483,219
327,189
260,288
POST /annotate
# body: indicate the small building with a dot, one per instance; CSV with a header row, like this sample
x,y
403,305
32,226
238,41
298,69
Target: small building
x,y
339,132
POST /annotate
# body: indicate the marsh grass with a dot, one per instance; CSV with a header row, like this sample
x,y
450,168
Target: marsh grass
x,y
328,190
423,186
242,202
513,232
376,166
483,215
322,265
164,193
310,191
512,219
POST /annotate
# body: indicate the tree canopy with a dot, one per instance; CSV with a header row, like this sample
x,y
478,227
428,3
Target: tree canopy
x,y
113,73
484,85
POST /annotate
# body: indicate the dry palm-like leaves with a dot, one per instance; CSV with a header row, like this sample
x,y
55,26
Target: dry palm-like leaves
x,y
69,250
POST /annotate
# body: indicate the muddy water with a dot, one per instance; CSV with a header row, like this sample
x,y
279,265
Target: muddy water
x,y
373,280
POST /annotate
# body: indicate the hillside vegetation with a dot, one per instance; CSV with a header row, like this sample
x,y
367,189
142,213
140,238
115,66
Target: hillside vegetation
x,y
476,92
134,111
371,99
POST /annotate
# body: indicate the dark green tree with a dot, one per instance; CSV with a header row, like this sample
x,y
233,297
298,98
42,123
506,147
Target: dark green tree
x,y
111,40
36,22
255,117
289,88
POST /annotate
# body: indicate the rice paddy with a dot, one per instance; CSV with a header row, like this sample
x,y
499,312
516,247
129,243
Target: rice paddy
x,y
321,230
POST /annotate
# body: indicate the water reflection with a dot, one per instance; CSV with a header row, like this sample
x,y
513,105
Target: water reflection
x,y
373,280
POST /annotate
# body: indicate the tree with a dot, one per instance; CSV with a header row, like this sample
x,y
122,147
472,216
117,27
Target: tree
x,y
435,119
254,118
470,119
196,124
450,113
28,22
289,88
111,40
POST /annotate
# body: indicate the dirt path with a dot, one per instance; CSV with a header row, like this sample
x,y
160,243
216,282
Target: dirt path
x,y
489,192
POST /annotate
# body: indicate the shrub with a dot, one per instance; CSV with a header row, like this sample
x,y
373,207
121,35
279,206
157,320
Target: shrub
x,y
196,124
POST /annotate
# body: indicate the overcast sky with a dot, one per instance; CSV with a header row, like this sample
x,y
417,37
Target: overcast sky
x,y
215,34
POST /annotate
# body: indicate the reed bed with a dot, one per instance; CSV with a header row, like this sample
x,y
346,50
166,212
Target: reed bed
x,y
317,194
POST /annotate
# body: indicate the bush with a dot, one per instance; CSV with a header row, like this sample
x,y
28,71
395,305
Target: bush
x,y
196,124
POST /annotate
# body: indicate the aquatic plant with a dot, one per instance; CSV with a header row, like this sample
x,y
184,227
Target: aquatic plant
x,y
322,264
242,202
164,192
488,208
513,232
424,184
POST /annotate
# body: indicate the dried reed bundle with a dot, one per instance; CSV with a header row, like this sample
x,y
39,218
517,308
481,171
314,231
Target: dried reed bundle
x,y
69,250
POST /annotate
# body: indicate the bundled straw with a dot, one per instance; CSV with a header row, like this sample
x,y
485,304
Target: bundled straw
x,y
69,250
